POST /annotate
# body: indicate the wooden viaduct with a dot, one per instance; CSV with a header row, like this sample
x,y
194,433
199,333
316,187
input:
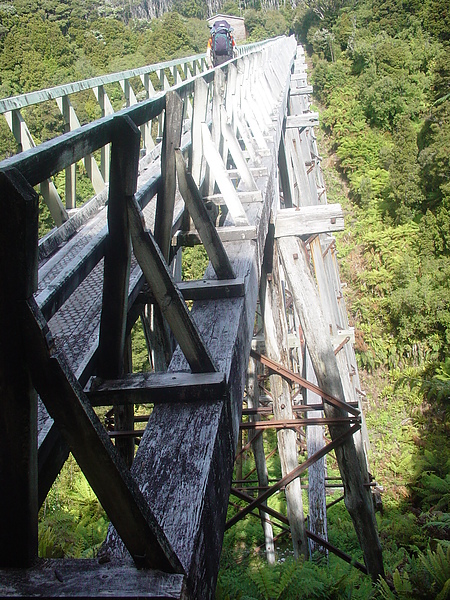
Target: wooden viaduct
x,y
226,158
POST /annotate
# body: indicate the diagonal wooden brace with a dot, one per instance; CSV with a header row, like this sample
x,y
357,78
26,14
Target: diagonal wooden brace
x,y
166,293
103,467
202,221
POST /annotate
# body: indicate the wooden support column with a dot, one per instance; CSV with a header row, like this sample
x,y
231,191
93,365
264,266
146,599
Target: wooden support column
x,y
18,399
165,206
166,195
123,183
357,497
276,340
315,441
198,117
257,442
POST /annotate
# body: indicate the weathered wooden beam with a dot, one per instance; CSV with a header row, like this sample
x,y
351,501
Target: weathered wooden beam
x,y
309,220
244,197
167,295
300,91
166,195
88,578
103,467
113,321
222,178
203,289
202,221
154,388
212,289
226,234
18,405
123,184
305,120
276,340
357,499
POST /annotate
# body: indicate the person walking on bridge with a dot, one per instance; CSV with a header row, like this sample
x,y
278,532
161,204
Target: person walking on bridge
x,y
221,44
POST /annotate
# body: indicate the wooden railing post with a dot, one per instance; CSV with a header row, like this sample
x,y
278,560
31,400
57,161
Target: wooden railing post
x,y
18,400
123,184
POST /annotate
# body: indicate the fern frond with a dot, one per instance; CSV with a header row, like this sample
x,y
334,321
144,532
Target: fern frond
x,y
438,565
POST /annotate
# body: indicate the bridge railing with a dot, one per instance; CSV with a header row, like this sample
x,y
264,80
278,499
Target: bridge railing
x,y
137,85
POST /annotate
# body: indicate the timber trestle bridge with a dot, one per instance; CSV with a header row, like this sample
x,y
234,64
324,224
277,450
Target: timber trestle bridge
x,y
226,158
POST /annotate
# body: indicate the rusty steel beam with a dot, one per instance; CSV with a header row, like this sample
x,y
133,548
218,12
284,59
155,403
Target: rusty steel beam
x,y
296,378
293,474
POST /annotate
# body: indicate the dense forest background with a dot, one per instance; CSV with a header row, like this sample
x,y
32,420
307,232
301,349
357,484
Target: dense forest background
x,y
381,76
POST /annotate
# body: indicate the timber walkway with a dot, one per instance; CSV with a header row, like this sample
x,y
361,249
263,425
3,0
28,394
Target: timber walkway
x,y
228,143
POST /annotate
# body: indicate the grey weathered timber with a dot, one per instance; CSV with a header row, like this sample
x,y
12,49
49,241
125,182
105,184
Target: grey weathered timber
x,y
222,178
275,335
211,289
166,294
154,388
300,91
315,440
309,220
104,469
166,196
198,117
357,499
85,578
257,443
111,352
202,220
18,405
226,234
205,289
125,158
187,467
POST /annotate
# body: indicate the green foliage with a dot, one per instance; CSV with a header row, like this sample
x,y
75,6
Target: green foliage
x,y
71,522
292,580
195,261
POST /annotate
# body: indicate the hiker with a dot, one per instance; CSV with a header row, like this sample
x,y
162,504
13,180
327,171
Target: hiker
x,y
221,44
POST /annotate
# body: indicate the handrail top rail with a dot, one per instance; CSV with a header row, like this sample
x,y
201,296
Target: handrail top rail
x,y
38,96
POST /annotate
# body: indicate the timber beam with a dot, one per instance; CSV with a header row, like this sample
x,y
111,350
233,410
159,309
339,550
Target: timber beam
x,y
309,220
154,388
226,234
310,119
300,91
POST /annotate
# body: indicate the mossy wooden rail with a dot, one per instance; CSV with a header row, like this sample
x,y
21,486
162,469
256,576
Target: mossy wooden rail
x,y
68,304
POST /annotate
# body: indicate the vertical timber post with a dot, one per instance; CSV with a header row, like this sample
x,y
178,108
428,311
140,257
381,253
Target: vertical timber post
x,y
276,340
357,498
123,184
18,399
165,208
257,443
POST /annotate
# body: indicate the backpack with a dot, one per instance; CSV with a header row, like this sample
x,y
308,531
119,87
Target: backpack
x,y
221,38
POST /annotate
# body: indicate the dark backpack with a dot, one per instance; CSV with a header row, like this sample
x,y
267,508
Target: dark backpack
x,y
221,38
